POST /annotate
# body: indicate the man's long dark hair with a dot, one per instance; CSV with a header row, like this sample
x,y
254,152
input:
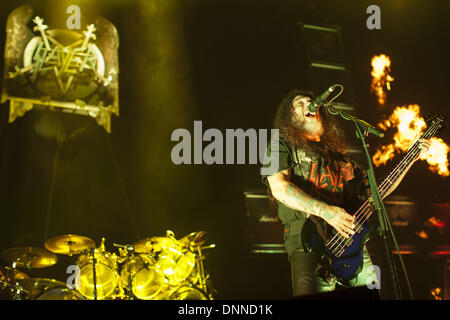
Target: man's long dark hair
x,y
332,140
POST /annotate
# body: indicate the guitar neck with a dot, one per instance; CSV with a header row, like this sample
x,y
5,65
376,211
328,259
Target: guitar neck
x,y
365,211
393,177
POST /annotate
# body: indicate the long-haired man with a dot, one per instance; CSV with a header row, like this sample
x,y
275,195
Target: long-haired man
x,y
314,179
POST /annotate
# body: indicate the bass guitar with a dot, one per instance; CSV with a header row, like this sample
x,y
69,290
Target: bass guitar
x,y
343,257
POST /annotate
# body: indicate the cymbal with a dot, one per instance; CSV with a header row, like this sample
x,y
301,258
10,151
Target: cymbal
x,y
36,286
69,244
153,244
29,257
194,239
143,246
162,243
6,274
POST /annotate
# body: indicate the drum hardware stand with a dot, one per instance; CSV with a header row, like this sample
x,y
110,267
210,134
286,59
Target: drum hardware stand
x,y
201,277
16,288
202,283
70,243
129,250
93,272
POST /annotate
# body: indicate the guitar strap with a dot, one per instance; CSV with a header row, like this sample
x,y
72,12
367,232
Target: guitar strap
x,y
302,162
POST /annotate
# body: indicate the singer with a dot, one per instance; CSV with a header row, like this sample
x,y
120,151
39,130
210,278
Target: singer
x,y
315,180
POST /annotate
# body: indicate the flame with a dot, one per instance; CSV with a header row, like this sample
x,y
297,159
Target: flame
x,y
436,293
437,157
381,66
409,127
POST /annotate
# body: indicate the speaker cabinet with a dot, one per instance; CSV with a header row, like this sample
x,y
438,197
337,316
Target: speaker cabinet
x,y
264,230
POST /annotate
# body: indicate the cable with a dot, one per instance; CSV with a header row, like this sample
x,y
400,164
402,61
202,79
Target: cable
x,y
53,179
127,202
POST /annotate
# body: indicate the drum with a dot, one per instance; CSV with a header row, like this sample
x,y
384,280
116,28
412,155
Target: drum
x,y
48,289
147,280
176,262
184,267
106,274
61,293
188,292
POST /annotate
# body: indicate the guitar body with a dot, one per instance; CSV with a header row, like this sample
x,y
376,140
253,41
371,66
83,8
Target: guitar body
x,y
349,263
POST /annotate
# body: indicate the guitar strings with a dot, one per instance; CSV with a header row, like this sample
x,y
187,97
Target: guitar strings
x,y
342,242
413,152
365,214
366,208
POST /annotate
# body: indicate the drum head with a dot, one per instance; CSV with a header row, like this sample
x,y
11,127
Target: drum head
x,y
61,294
106,277
188,293
184,267
147,280
35,287
106,281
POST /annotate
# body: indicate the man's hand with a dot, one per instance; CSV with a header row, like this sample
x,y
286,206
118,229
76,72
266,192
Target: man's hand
x,y
339,219
424,146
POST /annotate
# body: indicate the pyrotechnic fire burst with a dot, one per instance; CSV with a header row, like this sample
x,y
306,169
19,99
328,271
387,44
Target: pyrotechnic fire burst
x,y
380,76
409,126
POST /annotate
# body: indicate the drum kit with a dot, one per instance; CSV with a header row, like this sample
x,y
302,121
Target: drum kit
x,y
154,268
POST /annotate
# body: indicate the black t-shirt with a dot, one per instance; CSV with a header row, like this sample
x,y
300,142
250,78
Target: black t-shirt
x,y
340,185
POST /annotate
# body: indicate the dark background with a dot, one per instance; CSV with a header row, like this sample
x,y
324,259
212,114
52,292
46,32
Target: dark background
x,y
227,63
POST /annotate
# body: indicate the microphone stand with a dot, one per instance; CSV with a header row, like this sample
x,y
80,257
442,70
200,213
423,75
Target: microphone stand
x,y
385,229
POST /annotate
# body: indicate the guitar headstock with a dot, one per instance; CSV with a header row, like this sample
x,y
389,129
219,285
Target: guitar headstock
x,y
438,119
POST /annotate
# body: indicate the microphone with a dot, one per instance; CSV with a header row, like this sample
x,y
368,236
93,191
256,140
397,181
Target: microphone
x,y
323,98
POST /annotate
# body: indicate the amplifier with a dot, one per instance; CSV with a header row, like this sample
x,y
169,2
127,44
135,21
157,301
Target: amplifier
x,y
264,231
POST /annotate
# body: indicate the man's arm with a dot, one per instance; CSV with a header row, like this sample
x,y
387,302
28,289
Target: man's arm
x,y
293,197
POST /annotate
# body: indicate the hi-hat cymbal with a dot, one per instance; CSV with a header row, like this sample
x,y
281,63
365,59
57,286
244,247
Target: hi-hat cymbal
x,y
69,244
29,257
194,239
6,274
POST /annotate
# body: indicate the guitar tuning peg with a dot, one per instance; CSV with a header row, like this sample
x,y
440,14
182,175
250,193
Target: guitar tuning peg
x,y
441,128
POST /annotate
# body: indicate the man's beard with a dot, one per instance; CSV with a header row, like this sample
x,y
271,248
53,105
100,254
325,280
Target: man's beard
x,y
312,128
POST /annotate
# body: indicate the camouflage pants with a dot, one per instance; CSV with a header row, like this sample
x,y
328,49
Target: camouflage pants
x,y
309,277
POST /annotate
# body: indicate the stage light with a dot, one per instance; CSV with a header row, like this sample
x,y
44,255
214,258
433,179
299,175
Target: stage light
x,y
381,67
